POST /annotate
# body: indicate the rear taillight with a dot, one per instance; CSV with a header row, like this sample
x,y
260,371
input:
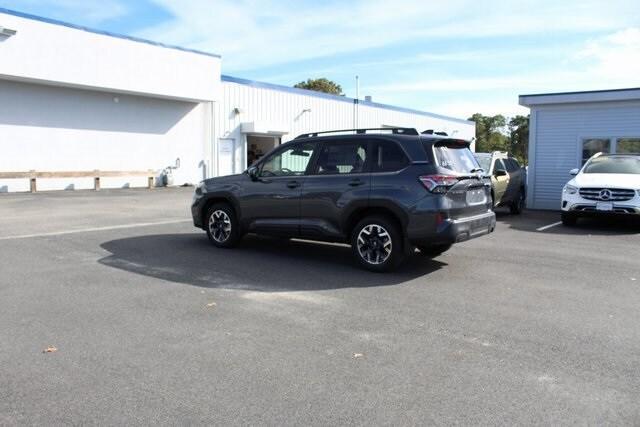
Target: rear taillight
x,y
438,183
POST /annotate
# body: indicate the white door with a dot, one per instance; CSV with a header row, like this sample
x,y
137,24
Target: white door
x,y
226,156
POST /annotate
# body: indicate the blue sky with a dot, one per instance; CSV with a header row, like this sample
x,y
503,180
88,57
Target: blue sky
x,y
455,57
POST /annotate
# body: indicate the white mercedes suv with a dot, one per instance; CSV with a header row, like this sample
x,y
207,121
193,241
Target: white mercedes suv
x,y
608,184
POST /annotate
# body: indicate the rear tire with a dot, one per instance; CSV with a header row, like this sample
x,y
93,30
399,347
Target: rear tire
x,y
222,226
569,219
377,244
433,250
517,206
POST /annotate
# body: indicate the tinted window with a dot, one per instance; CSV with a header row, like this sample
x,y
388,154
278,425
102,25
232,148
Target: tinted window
x,y
291,161
512,165
388,157
457,159
626,165
341,158
499,164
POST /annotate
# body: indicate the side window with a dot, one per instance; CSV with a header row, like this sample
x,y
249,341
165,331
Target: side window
x,y
388,157
512,165
338,158
292,161
499,164
591,146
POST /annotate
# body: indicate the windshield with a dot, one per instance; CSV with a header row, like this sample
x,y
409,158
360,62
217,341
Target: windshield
x,y
623,165
485,162
457,159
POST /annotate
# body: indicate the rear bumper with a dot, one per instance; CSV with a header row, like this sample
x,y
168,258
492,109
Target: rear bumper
x,y
459,230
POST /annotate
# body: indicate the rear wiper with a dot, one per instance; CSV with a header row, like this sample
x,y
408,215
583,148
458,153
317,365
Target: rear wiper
x,y
476,170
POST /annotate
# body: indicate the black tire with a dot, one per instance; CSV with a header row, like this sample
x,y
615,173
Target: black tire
x,y
381,252
516,207
221,233
433,250
569,219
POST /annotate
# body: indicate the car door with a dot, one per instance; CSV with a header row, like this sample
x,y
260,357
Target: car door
x,y
270,203
500,181
515,179
337,183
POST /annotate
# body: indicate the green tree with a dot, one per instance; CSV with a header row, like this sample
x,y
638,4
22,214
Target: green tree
x,y
519,137
490,133
321,85
497,133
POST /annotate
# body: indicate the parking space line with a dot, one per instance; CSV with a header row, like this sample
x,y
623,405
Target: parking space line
x,y
88,230
546,227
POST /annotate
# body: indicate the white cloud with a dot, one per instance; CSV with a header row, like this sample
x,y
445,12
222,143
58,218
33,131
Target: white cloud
x,y
465,109
615,57
250,33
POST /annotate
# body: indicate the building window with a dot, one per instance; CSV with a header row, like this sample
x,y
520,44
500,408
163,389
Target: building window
x,y
591,146
628,146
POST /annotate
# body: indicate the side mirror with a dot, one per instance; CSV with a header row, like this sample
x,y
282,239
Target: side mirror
x,y
574,172
500,172
253,173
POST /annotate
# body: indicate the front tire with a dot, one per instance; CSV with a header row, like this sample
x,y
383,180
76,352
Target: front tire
x,y
222,226
377,244
569,219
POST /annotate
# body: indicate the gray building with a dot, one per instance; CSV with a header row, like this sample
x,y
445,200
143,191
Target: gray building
x,y
568,128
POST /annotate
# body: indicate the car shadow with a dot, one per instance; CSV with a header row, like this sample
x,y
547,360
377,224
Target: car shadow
x,y
257,264
532,220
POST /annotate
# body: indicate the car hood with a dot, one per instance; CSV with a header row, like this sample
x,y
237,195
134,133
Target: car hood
x,y
607,180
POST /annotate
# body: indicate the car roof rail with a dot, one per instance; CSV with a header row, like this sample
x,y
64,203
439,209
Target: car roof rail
x,y
361,131
433,132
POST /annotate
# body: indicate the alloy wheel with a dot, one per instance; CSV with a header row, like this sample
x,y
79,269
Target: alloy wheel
x,y
220,226
374,244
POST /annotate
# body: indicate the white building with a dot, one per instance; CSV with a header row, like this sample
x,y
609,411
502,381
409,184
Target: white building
x,y
257,116
74,99
567,128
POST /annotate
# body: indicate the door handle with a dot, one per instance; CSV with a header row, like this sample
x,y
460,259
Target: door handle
x,y
356,182
293,184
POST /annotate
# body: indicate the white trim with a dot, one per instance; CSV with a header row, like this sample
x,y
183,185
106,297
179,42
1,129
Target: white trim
x,y
580,97
531,171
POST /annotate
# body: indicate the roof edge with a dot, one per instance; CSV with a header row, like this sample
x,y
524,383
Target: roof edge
x,y
282,88
102,32
580,96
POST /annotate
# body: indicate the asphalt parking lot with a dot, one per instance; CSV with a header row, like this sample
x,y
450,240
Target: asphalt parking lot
x,y
153,325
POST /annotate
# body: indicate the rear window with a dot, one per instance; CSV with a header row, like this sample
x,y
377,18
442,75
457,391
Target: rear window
x,y
457,159
624,165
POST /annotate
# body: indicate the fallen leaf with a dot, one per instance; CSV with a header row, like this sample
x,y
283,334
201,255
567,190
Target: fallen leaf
x,y
211,304
50,349
357,355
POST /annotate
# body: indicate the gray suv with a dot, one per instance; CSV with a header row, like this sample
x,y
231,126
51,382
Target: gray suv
x,y
383,191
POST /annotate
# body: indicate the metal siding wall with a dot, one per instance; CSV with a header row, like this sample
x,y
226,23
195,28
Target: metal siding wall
x,y
285,108
559,130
